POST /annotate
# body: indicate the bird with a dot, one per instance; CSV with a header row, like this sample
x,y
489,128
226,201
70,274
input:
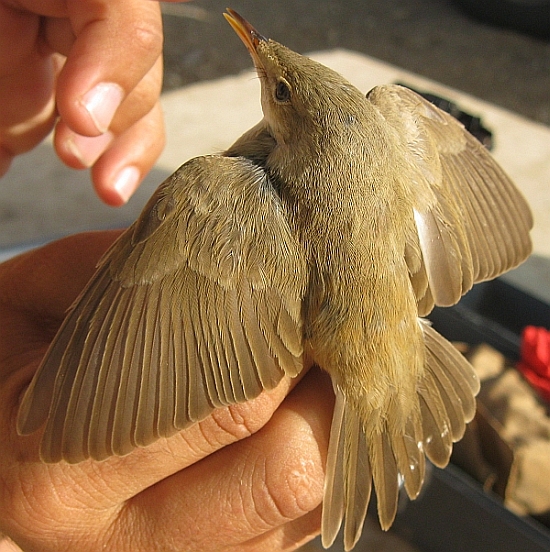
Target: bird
x,y
323,236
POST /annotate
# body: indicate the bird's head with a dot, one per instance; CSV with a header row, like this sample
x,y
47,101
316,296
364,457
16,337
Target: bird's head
x,y
298,94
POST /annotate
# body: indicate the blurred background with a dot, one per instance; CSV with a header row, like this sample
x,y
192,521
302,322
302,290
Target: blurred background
x,y
438,39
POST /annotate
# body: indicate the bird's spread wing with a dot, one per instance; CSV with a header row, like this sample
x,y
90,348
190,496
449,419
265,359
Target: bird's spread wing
x,y
472,224
196,306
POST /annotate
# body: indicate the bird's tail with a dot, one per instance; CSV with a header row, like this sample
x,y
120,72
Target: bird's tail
x,y
446,402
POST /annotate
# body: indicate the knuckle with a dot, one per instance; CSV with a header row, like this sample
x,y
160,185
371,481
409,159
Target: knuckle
x,y
230,424
287,490
239,421
147,37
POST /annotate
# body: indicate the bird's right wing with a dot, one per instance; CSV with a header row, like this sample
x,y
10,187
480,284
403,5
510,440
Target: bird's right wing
x,y
196,306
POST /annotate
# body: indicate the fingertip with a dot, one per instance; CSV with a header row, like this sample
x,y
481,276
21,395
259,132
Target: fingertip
x,y
120,170
100,105
116,190
77,151
112,50
87,115
126,182
113,184
118,163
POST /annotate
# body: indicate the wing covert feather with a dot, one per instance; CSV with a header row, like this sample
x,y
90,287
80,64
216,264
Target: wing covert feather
x,y
196,306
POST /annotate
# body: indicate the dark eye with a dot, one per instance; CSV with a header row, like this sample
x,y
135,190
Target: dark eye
x,y
282,92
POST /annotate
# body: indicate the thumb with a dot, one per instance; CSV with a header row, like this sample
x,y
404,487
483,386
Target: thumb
x,y
47,280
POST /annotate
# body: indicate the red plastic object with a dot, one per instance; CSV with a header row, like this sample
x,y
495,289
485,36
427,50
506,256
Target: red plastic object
x,y
535,359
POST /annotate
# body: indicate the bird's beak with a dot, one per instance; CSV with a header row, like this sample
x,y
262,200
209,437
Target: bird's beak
x,y
247,33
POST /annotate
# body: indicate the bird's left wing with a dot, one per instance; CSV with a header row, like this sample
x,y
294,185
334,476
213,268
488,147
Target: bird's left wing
x,y
196,306
471,222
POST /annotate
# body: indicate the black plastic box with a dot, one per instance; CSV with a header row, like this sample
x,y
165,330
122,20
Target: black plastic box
x,y
454,513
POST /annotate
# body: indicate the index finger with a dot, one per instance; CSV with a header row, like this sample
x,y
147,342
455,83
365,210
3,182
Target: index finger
x,y
116,44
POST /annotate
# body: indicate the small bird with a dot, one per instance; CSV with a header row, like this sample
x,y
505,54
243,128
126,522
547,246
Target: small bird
x,y
322,236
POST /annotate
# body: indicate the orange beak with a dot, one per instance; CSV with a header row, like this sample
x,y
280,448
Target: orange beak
x,y
247,33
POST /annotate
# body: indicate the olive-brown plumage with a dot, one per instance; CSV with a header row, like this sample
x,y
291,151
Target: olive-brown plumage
x,y
323,233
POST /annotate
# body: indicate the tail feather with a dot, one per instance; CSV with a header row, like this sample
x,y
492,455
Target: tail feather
x,y
334,493
451,383
358,480
410,457
451,401
385,476
348,478
451,364
362,454
436,438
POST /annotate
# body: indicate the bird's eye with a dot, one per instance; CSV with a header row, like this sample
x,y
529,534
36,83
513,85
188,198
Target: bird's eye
x,y
282,91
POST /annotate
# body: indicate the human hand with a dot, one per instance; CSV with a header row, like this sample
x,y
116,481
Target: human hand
x,y
249,477
53,55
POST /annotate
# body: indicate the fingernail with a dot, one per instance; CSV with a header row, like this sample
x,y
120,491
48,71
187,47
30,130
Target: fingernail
x,y
101,102
126,182
87,149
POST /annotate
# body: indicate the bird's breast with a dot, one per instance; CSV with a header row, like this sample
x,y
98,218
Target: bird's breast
x,y
360,311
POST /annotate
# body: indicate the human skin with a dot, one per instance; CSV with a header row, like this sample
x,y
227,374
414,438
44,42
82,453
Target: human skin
x,y
53,54
248,477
